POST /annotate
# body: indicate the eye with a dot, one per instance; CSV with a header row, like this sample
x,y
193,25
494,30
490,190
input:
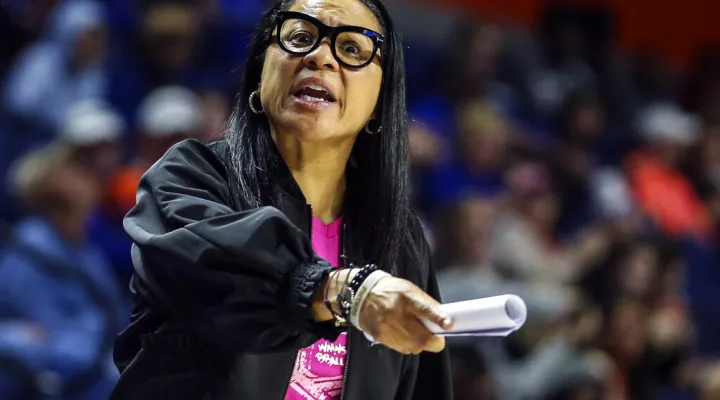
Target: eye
x,y
302,38
351,48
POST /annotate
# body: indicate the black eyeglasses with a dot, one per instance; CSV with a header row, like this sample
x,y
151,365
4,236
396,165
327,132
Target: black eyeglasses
x,y
352,46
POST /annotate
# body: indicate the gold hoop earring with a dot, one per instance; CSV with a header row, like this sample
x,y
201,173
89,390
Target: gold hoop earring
x,y
252,106
367,128
369,131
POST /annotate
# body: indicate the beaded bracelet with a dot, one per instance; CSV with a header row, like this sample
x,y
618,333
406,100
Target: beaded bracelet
x,y
358,279
344,299
338,319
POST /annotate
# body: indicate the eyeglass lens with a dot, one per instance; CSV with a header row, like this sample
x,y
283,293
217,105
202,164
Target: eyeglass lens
x,y
352,48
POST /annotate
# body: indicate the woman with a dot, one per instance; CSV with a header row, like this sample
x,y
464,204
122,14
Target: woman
x,y
235,242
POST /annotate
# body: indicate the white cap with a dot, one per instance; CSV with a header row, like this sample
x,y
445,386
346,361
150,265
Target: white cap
x,y
666,121
91,122
169,110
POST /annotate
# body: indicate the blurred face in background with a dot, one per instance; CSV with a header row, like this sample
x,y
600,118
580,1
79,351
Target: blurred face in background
x,y
474,57
102,159
90,47
671,152
475,222
67,190
484,47
586,121
638,272
169,34
542,211
672,278
484,137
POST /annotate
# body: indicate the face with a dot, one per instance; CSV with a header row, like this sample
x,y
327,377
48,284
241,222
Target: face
x,y
476,222
486,148
639,272
354,91
588,122
169,35
102,159
90,46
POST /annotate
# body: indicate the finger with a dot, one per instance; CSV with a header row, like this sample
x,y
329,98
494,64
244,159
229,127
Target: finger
x,y
425,338
424,306
436,344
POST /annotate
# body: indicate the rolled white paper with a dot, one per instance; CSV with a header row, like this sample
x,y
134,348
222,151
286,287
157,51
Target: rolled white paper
x,y
490,316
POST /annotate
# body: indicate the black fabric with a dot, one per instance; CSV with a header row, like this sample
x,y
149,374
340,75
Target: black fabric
x,y
223,293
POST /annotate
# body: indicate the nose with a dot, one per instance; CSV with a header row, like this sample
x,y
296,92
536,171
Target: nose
x,y
321,58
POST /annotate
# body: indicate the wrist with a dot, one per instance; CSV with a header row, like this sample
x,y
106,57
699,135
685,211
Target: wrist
x,y
326,296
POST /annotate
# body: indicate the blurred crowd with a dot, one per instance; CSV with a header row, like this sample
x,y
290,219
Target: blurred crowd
x,y
546,164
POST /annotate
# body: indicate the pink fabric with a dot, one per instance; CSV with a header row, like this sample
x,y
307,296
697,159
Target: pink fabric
x,y
318,373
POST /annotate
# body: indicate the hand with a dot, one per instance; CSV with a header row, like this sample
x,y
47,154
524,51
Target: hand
x,y
391,315
668,330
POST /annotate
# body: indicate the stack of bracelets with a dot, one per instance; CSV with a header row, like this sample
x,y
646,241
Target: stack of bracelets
x,y
351,296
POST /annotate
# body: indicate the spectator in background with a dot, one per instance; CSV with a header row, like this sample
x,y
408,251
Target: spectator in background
x,y
482,147
580,125
565,359
663,192
167,116
162,53
626,343
65,66
468,75
524,246
464,270
710,389
563,64
57,283
701,94
707,168
92,135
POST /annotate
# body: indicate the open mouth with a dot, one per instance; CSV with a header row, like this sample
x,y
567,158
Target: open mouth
x,y
314,93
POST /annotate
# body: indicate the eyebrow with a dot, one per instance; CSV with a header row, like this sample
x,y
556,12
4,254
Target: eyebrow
x,y
334,20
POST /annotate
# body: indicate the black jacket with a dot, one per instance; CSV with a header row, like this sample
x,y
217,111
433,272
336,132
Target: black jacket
x,y
223,293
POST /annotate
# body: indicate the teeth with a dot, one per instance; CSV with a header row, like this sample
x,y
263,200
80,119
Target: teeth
x,y
311,98
318,88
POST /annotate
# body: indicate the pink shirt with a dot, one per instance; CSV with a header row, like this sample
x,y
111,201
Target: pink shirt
x,y
318,373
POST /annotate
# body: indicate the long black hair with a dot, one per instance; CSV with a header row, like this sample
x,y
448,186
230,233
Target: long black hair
x,y
377,198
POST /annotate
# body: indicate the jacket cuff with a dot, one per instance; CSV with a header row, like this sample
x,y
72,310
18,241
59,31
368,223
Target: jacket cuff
x,y
302,283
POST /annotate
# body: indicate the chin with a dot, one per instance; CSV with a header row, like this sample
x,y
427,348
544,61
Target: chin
x,y
314,128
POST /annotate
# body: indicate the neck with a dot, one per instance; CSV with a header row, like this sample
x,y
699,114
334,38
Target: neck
x,y
319,170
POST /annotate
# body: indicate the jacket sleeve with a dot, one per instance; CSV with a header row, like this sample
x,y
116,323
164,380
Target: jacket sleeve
x,y
241,279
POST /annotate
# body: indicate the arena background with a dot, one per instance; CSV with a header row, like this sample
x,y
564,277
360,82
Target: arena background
x,y
564,151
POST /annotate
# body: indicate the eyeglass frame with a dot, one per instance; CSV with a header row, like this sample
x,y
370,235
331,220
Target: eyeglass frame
x,y
331,32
